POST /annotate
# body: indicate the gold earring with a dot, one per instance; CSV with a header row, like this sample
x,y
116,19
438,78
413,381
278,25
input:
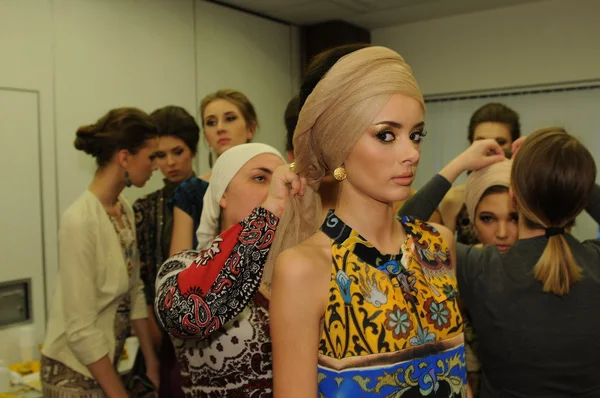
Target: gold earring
x,y
340,173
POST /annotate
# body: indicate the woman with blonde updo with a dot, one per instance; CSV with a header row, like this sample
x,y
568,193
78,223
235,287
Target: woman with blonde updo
x,y
228,119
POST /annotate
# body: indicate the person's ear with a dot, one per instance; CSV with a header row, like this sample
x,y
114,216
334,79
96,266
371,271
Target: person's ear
x,y
251,131
122,158
512,198
223,201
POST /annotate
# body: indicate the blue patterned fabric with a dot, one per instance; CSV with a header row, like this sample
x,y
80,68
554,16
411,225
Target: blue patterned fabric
x,y
189,197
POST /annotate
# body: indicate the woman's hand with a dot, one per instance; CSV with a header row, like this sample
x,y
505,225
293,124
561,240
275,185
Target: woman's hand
x,y
284,184
516,145
480,154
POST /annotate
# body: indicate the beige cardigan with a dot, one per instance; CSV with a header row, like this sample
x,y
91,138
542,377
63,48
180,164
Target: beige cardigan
x,y
92,281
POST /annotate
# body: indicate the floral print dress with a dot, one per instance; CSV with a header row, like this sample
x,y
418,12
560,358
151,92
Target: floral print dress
x,y
392,327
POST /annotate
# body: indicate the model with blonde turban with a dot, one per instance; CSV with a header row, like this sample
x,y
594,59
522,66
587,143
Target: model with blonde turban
x,y
348,319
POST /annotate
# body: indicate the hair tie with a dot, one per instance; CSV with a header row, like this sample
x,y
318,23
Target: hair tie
x,y
552,231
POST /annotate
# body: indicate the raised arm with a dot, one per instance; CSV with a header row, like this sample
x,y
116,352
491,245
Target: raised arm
x,y
424,203
426,200
198,292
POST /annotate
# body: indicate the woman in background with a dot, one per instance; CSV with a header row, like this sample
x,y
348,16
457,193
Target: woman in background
x,y
495,221
533,306
488,204
99,295
178,135
228,119
491,121
514,298
235,359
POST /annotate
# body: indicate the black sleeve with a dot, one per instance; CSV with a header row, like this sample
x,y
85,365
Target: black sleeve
x,y
470,261
424,203
593,208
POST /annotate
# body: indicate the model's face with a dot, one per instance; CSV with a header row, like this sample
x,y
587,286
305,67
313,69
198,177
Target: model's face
x,y
496,221
174,158
497,131
225,126
383,162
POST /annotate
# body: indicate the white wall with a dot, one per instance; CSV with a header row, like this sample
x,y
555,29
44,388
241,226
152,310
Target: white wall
x,y
536,43
541,43
83,57
27,64
255,61
117,53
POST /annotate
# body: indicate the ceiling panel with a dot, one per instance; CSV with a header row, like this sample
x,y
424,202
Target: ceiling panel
x,y
369,14
314,12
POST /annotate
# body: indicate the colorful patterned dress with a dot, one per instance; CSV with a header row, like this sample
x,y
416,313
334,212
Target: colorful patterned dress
x,y
392,327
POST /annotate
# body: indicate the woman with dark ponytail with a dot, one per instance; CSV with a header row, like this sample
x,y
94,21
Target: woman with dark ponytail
x,y
99,295
553,164
534,306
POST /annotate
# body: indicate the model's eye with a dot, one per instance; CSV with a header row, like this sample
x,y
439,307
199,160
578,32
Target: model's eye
x,y
385,136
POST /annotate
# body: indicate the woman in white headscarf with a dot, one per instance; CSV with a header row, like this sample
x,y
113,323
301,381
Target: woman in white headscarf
x,y
221,356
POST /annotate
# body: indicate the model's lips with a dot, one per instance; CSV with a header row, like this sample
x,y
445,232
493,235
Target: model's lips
x,y
173,172
503,248
403,179
224,141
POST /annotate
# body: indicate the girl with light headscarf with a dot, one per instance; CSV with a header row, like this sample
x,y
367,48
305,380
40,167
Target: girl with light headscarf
x,y
367,305
226,352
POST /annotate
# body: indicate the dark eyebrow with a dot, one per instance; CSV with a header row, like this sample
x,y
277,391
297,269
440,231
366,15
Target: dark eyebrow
x,y
264,169
398,125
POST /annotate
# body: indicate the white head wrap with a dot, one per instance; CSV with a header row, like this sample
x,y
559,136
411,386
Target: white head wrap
x,y
225,168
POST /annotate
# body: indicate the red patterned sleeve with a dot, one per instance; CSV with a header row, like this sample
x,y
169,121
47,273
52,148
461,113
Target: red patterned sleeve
x,y
198,292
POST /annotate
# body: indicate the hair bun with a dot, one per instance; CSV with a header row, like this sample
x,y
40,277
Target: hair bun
x,y
86,140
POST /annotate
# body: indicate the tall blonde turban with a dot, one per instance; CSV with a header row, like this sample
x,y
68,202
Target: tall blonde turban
x,y
337,112
480,180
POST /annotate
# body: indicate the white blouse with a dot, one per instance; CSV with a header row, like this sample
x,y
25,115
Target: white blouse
x,y
92,281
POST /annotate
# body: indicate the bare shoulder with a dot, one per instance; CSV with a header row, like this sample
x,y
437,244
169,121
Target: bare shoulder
x,y
456,194
446,234
308,259
206,176
303,271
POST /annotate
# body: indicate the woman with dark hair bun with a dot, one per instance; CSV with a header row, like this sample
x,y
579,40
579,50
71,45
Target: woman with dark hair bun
x,y
178,135
99,295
